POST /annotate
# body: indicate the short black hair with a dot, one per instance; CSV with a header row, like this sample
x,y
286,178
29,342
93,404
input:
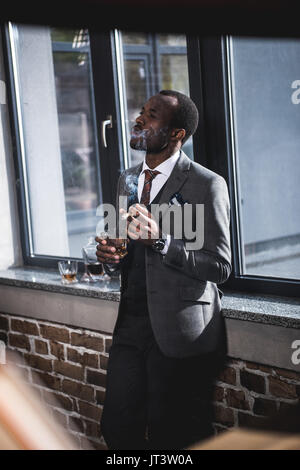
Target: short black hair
x,y
186,115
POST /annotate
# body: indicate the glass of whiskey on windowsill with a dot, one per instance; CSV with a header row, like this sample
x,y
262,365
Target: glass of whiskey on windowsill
x,y
68,271
93,269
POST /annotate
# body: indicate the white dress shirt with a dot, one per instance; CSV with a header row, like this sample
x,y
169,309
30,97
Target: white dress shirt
x,y
165,169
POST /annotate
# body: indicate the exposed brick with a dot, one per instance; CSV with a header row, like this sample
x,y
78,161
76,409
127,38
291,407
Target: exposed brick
x,y
281,389
55,333
57,350
224,415
38,362
76,389
87,341
4,324
85,359
264,407
108,343
96,378
237,399
253,382
289,407
100,396
41,347
92,429
228,375
90,411
19,341
249,421
58,400
262,368
218,393
47,380
103,362
24,326
76,424
68,370
288,374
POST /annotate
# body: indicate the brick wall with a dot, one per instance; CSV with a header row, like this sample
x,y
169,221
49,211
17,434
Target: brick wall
x,y
72,362
248,393
66,363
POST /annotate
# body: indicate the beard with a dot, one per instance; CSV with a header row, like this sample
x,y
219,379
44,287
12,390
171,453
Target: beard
x,y
149,140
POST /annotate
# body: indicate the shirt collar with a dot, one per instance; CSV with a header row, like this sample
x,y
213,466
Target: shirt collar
x,y
165,167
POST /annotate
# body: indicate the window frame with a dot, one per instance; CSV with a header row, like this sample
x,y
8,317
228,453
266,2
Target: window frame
x,y
101,48
218,140
212,142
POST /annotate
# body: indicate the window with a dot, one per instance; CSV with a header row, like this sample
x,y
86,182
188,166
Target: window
x,y
152,62
73,118
266,142
57,131
75,95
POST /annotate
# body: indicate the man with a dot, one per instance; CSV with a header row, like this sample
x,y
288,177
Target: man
x,y
169,340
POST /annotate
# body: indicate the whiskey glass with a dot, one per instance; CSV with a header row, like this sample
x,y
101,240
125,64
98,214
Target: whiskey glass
x,y
68,270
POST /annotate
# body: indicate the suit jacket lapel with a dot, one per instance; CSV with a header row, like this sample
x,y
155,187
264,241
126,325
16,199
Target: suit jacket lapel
x,y
175,181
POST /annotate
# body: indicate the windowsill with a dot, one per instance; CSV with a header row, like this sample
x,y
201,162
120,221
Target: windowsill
x,y
259,328
267,309
50,280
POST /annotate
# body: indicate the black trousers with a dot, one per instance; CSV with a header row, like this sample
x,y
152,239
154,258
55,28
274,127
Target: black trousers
x,y
169,399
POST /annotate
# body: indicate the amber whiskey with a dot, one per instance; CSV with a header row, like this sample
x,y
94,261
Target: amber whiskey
x,y
95,269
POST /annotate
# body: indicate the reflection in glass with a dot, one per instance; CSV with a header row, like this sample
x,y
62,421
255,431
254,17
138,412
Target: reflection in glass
x,y
174,74
175,40
134,38
266,126
54,94
77,139
147,70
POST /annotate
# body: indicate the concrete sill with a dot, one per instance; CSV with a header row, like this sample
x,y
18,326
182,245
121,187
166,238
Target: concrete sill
x,y
260,328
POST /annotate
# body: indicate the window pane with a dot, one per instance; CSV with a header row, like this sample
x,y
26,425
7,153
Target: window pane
x,y
135,38
146,73
266,118
174,74
58,123
64,35
172,40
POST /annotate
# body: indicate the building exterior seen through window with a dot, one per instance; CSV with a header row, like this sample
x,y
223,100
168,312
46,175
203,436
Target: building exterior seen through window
x,y
61,136
152,62
266,123
56,99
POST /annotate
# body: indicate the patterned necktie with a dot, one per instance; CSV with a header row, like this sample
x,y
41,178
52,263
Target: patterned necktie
x,y
149,176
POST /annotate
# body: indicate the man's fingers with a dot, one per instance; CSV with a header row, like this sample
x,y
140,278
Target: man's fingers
x,y
107,257
105,253
132,234
106,248
101,240
142,209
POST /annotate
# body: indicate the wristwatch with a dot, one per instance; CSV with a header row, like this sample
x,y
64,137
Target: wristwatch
x,y
159,244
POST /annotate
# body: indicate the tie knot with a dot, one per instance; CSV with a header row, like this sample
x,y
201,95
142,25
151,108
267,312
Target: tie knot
x,y
150,174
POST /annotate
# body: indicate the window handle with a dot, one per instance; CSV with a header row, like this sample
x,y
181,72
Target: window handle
x,y
106,123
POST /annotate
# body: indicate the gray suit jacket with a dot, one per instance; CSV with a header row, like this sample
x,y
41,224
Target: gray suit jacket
x,y
183,298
